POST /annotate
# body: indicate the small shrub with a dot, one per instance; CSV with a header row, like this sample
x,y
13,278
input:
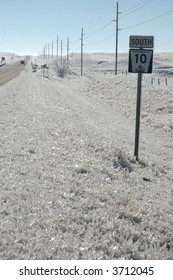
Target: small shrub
x,y
120,160
62,69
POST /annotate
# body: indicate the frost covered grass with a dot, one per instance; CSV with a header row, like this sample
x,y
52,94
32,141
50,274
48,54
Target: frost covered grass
x,y
70,186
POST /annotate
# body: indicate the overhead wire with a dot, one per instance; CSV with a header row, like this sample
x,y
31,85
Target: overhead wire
x,y
135,6
132,10
146,3
91,34
99,30
76,41
102,40
139,5
76,49
152,19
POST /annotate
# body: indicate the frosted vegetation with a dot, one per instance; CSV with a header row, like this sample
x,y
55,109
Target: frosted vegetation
x,y
70,185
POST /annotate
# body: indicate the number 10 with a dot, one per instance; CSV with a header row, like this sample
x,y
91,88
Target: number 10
x,y
142,58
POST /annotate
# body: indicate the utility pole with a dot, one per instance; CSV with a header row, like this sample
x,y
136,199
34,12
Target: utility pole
x,y
116,44
45,50
82,52
68,53
52,49
61,52
48,50
57,48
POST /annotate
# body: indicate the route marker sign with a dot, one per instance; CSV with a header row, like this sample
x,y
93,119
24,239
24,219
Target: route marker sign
x,y
140,61
146,42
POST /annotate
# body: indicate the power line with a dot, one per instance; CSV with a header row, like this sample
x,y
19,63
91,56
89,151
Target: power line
x,y
101,40
152,19
137,9
91,33
139,5
135,6
99,30
107,24
76,49
77,41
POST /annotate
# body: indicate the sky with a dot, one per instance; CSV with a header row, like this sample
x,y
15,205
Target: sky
x,y
28,25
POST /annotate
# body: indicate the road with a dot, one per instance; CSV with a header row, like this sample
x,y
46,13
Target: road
x,y
10,71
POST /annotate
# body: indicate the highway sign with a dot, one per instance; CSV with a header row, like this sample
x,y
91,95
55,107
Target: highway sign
x,y
146,42
140,61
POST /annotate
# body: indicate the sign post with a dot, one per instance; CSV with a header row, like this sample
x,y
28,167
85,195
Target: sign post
x,y
140,61
138,112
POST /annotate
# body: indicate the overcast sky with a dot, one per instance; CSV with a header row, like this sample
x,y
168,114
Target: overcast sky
x,y
27,25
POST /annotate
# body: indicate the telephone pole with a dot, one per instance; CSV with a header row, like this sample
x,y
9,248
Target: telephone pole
x,y
57,48
52,49
44,52
48,50
61,52
68,53
82,52
116,44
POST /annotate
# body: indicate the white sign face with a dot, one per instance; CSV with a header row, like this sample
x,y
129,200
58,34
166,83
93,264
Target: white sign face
x,y
141,42
140,61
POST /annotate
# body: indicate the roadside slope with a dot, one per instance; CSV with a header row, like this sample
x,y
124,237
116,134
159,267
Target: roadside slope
x,y
70,187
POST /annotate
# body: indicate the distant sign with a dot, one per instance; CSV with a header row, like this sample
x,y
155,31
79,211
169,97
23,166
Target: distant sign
x,y
141,42
140,61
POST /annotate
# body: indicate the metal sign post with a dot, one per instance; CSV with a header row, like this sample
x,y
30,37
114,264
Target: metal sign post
x,y
140,61
138,112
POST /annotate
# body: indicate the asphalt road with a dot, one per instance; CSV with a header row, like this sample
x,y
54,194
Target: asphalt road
x,y
10,71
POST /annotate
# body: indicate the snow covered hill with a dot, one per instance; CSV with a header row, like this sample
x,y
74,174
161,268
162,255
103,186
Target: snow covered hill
x,y
70,185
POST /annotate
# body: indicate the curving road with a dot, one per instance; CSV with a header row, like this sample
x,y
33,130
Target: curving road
x,y
10,71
